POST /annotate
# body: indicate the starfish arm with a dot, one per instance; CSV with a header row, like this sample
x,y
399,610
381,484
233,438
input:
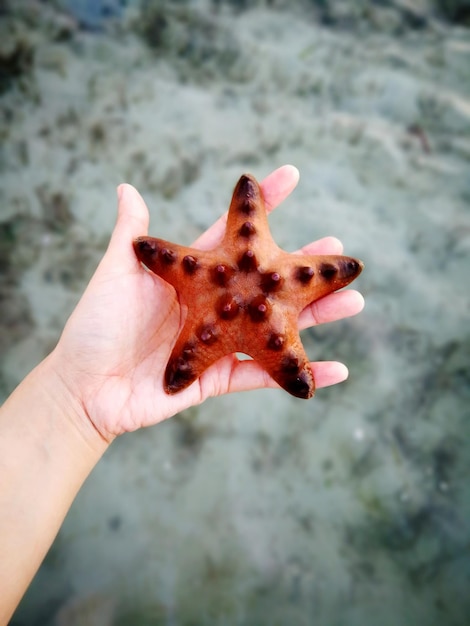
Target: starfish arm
x,y
247,222
315,276
189,357
181,266
202,342
277,347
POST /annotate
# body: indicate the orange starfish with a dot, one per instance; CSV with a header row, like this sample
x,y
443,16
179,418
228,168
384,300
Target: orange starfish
x,y
245,295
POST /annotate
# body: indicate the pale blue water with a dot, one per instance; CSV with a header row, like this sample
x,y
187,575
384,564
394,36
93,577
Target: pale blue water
x,y
259,509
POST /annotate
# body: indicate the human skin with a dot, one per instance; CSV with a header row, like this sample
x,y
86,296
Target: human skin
x,y
104,378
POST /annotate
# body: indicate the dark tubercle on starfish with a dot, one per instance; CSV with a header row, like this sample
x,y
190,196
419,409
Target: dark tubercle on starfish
x,y
190,264
245,295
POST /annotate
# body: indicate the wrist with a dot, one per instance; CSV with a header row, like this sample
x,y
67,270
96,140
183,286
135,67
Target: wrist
x,y
65,406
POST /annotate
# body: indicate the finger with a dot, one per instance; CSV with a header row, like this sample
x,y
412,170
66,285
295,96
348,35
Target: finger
x,y
278,185
232,375
327,245
247,375
335,306
327,373
133,215
275,187
132,221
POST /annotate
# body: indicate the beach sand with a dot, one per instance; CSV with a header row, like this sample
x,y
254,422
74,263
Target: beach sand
x,y
258,508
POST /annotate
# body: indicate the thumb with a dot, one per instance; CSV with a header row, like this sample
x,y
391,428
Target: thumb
x,y
132,221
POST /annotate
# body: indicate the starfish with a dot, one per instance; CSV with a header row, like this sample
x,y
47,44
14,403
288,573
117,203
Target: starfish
x,y
245,295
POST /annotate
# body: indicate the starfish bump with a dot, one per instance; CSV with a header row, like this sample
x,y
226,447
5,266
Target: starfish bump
x,y
245,295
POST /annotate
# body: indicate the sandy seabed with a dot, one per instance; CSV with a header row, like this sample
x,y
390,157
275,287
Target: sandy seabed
x,y
257,508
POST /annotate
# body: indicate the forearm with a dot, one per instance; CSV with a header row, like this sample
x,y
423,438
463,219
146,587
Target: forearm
x,y
47,449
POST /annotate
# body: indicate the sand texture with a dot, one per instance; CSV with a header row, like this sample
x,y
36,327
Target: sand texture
x,y
256,509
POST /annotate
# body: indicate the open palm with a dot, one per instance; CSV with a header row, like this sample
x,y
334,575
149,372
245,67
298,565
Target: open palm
x,y
115,346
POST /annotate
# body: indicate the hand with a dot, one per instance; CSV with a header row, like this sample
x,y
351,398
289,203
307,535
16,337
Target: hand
x,y
115,346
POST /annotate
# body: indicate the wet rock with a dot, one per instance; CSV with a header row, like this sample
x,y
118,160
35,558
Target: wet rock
x,y
16,57
457,11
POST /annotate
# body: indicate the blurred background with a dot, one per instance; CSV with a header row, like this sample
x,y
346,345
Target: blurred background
x,y
256,509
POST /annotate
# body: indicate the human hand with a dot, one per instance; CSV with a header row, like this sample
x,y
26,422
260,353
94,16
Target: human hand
x,y
114,349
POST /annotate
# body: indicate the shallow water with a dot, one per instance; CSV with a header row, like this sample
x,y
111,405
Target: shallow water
x,y
258,508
